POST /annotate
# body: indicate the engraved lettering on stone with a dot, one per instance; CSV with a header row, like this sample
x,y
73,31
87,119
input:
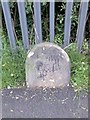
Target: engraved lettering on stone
x,y
52,66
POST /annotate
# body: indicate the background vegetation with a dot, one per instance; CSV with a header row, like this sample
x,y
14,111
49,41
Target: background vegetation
x,y
13,65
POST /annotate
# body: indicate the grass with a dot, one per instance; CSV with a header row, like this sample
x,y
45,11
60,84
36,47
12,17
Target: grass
x,y
13,67
0,73
79,68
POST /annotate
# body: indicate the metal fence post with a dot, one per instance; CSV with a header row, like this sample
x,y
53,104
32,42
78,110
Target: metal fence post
x,y
67,24
52,16
8,21
81,24
37,21
23,22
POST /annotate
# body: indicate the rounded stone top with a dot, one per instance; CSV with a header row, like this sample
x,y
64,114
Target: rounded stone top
x,y
44,46
47,65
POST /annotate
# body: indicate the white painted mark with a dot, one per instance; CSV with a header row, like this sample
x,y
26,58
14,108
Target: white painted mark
x,y
43,48
11,92
32,96
21,111
30,54
11,110
17,98
52,80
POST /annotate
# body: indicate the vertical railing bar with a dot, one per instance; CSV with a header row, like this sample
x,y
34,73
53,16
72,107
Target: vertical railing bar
x,y
81,23
0,18
8,21
23,22
52,13
67,23
37,21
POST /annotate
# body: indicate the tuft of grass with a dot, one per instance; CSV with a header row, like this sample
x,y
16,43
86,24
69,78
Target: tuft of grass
x,y
79,68
58,39
13,66
0,64
13,69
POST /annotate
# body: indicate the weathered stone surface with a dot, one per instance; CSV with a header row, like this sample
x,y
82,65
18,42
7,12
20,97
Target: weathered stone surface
x,y
47,65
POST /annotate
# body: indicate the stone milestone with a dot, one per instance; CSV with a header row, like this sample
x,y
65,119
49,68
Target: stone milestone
x,y
47,65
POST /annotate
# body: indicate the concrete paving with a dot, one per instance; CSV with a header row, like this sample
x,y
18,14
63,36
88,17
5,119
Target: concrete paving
x,y
44,103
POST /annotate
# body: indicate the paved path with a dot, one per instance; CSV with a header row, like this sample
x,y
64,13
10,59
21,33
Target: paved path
x,y
44,103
